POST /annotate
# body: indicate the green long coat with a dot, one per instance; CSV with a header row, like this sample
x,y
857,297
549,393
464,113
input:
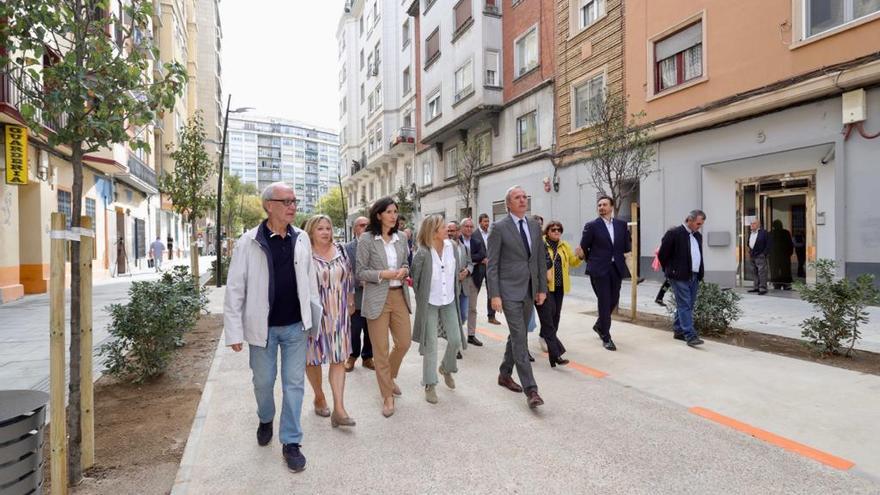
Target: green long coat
x,y
422,268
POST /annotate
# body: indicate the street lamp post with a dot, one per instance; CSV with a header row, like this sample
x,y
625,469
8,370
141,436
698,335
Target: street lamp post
x,y
219,271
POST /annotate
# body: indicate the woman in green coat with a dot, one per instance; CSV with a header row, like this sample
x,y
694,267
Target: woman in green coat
x,y
437,271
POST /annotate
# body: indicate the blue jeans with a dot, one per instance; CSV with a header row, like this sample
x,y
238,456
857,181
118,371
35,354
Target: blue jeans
x,y
291,340
685,300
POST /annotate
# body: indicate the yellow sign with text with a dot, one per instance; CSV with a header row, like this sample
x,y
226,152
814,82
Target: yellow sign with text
x,y
16,155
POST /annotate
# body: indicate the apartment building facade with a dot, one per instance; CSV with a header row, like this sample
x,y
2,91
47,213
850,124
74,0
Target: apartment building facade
x,y
263,150
377,100
761,110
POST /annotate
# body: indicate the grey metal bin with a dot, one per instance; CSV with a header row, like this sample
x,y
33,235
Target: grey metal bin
x,y
22,423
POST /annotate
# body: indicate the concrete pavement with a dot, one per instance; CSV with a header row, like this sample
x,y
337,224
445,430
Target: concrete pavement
x,y
24,332
634,421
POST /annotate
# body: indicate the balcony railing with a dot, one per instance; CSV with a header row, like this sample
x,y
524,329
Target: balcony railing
x,y
404,135
12,95
139,169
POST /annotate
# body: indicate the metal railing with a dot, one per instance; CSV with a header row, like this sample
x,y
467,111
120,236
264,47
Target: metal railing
x,y
139,169
404,135
13,95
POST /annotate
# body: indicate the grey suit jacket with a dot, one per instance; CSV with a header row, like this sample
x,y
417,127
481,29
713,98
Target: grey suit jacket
x,y
371,260
511,271
351,252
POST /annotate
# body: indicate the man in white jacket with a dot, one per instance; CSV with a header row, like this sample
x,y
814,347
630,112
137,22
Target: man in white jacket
x,y
271,297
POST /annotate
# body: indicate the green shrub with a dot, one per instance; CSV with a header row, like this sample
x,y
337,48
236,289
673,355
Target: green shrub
x,y
145,331
841,305
224,260
715,310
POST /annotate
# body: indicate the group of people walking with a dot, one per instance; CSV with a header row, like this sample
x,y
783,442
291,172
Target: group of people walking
x,y
295,292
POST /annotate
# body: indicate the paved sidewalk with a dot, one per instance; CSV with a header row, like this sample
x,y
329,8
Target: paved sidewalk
x,y
771,314
24,333
624,422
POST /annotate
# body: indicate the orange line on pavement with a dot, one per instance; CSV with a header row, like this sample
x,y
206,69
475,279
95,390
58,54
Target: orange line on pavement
x,y
790,445
573,365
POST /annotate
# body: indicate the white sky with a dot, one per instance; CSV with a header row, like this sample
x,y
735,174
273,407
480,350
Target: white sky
x,y
280,57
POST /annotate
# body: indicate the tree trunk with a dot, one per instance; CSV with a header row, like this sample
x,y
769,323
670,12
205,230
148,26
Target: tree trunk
x,y
194,252
74,428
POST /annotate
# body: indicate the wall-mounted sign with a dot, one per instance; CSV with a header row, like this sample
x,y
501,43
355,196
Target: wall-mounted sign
x,y
16,155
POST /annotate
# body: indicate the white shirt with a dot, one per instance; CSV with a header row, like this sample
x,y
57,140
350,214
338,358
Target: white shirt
x,y
609,224
753,238
391,254
525,225
696,257
442,276
485,237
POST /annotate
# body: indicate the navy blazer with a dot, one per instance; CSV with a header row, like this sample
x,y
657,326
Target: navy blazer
x,y
762,244
478,254
599,250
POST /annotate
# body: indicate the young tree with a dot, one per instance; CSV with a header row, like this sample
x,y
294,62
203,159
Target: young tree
x,y
405,205
188,186
236,197
473,156
92,89
621,152
251,213
331,205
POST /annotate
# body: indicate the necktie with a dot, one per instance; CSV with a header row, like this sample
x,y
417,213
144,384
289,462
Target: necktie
x,y
525,238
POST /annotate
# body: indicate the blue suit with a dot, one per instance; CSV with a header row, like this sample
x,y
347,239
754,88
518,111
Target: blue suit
x,y
606,266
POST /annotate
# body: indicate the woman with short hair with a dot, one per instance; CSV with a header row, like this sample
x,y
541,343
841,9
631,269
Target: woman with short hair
x,y
382,267
562,258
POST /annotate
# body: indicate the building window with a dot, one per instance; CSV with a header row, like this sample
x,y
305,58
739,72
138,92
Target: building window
x,y
451,160
493,68
404,32
361,25
526,49
679,57
407,121
362,60
342,107
432,110
432,47
464,80
427,172
407,84
342,76
589,12
493,6
527,132
363,128
462,11
589,97
823,15
362,93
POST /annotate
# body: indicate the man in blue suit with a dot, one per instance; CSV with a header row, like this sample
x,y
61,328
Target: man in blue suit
x,y
604,243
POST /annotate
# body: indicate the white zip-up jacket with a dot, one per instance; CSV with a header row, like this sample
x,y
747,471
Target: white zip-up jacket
x,y
246,306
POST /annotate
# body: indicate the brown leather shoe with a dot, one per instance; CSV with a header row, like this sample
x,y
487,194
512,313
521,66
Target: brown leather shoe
x,y
349,363
368,363
494,321
534,400
507,382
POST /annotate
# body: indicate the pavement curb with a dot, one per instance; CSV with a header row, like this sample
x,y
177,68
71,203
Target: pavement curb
x,y
184,471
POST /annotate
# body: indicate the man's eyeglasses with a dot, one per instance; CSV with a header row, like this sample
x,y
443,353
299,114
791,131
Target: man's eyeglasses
x,y
286,202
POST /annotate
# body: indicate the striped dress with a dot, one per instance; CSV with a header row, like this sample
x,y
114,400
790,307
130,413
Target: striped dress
x,y
336,287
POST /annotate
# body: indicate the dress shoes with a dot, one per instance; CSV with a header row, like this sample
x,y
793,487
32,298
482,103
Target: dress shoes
x,y
387,410
596,329
349,363
494,321
752,291
559,361
396,391
264,434
368,363
533,399
472,340
609,345
336,422
458,356
695,341
507,382
531,358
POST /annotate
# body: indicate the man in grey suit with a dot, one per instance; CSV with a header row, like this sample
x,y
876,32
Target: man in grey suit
x,y
358,322
516,281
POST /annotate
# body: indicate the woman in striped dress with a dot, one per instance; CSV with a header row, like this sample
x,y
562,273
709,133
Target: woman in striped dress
x,y
332,345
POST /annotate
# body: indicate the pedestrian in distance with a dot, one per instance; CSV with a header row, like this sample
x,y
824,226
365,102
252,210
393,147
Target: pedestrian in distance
x,y
272,303
453,233
437,272
517,280
383,268
476,253
358,322
157,250
759,248
604,243
483,220
681,255
661,294
332,343
562,258
781,249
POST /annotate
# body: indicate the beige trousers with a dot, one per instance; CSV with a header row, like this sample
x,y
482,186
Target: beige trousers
x,y
394,320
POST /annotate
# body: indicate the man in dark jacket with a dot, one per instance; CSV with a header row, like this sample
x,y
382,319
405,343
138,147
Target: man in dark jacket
x,y
604,243
681,256
358,322
759,248
475,248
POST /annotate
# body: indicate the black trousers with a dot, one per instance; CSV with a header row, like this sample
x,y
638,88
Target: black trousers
x,y
358,327
549,313
607,290
489,311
